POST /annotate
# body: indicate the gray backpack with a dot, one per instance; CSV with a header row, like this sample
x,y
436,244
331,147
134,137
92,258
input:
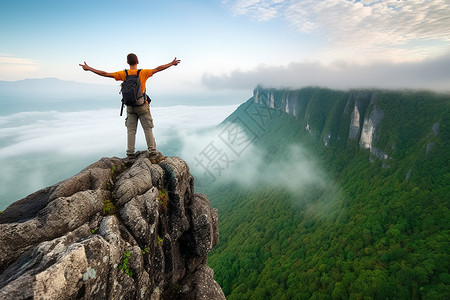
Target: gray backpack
x,y
131,91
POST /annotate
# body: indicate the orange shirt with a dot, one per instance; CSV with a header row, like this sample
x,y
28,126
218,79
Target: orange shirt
x,y
143,76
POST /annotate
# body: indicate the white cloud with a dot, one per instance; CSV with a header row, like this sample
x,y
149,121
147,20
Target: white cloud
x,y
431,74
7,59
258,10
13,68
95,132
59,133
38,149
362,30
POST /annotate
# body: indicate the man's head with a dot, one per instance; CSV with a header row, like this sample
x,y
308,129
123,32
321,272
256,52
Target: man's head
x,y
132,59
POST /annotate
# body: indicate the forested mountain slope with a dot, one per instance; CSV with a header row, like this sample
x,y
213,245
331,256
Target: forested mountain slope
x,y
363,210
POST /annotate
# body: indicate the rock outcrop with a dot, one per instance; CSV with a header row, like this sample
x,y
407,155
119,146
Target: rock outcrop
x,y
303,104
120,229
380,121
315,108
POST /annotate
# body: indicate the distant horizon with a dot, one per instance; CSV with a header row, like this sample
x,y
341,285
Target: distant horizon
x,y
263,85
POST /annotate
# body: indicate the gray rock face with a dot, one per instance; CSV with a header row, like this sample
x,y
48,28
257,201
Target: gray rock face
x,y
118,230
369,128
355,123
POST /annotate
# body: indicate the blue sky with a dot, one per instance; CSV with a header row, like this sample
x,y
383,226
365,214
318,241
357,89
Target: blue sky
x,y
231,44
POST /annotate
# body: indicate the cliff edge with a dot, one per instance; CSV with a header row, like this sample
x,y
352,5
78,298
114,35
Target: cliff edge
x,y
388,123
120,229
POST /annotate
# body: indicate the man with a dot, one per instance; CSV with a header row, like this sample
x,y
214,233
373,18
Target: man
x,y
135,113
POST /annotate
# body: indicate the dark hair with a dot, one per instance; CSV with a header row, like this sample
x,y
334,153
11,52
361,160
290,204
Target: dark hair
x,y
132,59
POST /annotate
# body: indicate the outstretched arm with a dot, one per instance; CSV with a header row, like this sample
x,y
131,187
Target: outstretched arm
x,y
174,62
98,72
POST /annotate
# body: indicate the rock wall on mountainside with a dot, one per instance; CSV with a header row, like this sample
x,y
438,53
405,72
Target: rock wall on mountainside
x,y
359,116
303,104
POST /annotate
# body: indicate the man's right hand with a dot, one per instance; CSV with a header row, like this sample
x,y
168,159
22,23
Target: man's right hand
x,y
175,61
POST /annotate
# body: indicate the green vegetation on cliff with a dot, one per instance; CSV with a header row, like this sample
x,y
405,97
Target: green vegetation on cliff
x,y
377,229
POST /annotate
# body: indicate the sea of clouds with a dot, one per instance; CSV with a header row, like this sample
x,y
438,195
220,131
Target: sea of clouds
x,y
38,149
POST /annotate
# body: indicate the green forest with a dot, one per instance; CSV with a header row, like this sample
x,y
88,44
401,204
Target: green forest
x,y
377,229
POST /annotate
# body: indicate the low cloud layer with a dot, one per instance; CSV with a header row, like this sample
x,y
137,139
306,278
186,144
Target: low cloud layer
x,y
38,149
431,74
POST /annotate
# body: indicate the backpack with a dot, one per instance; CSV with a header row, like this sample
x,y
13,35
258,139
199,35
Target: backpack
x,y
132,91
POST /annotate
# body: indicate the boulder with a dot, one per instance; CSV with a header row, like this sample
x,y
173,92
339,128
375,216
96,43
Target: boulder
x,y
120,229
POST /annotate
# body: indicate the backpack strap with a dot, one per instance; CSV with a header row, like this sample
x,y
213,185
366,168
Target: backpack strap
x,y
121,109
126,72
146,97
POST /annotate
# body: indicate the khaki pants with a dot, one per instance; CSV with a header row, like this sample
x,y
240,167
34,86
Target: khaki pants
x,y
141,113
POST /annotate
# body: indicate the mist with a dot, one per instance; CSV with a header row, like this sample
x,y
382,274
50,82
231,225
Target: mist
x,y
39,149
218,157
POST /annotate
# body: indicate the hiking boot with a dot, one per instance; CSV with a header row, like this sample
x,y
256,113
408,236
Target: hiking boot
x,y
131,156
129,160
156,157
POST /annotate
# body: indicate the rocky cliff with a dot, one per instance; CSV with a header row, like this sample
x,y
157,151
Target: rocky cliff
x,y
313,109
120,229
387,123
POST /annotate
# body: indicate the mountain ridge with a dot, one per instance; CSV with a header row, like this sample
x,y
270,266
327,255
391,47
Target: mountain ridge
x,y
377,228
340,117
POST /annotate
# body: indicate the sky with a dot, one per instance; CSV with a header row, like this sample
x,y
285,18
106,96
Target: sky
x,y
232,45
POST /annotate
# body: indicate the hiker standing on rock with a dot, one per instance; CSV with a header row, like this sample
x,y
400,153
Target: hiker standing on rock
x,y
137,102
